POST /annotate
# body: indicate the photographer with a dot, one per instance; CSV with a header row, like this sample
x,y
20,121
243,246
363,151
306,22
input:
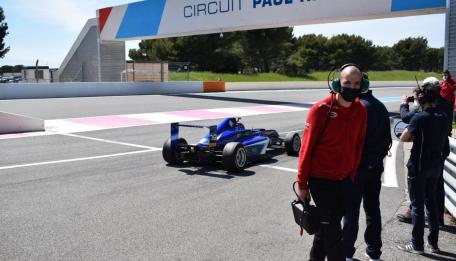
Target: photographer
x,y
447,108
428,130
406,113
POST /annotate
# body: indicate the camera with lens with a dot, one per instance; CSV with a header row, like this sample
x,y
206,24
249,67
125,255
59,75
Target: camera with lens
x,y
410,99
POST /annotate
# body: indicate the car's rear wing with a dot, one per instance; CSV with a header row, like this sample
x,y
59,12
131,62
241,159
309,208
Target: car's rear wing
x,y
175,133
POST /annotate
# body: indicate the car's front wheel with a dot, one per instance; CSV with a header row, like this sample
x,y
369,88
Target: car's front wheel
x,y
292,144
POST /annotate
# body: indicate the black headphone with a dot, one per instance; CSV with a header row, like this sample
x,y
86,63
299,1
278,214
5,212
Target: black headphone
x,y
425,93
335,83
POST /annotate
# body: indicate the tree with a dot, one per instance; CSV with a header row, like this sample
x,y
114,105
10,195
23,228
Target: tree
x,y
346,48
382,58
410,53
268,49
6,69
310,54
211,52
3,33
154,50
433,62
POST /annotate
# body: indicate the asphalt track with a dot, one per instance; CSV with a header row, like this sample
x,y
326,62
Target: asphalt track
x,y
108,194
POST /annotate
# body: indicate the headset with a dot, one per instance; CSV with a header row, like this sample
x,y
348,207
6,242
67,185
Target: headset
x,y
335,82
425,93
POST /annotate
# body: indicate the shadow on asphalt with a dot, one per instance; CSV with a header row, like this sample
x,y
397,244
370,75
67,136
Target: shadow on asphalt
x,y
214,170
448,229
441,256
242,100
210,171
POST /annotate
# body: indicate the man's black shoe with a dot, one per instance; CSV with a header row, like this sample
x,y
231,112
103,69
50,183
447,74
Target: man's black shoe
x,y
433,248
404,218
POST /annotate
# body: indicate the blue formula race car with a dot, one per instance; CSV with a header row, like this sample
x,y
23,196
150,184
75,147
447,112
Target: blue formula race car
x,y
230,143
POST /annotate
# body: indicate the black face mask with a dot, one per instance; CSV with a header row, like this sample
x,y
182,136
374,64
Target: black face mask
x,y
350,94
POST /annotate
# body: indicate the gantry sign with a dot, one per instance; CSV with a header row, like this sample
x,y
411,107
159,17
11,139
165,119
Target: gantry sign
x,y
169,18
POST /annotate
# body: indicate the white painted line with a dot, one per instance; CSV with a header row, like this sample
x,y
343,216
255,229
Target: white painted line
x,y
75,160
279,168
236,112
64,126
389,175
161,117
112,141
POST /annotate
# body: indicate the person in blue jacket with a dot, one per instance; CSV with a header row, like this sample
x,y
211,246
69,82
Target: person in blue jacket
x,y
367,183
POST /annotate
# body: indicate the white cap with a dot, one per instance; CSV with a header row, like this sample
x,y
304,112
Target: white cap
x,y
431,80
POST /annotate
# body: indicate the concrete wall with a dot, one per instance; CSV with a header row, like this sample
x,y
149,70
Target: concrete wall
x,y
59,90
81,63
65,90
111,60
92,60
28,76
245,86
14,123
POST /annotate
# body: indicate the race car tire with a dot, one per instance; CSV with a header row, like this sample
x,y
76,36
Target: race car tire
x,y
273,136
234,157
292,144
170,154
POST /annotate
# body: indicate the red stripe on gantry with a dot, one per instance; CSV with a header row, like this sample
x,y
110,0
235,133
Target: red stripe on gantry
x,y
103,17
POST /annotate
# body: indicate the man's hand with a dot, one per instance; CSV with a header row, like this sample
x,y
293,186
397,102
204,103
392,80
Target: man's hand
x,y
303,194
404,99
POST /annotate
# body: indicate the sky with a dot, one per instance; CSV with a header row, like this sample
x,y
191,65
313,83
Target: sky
x,y
46,29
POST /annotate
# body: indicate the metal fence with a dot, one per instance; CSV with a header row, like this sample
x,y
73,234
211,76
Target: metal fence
x,y
449,175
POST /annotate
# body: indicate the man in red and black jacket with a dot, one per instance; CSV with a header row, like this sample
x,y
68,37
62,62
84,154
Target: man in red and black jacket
x,y
330,153
448,89
448,86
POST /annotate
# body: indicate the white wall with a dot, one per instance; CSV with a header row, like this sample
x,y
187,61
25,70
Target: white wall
x,y
64,90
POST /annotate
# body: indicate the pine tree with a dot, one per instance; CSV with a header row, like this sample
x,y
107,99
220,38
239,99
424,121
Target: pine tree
x,y
3,33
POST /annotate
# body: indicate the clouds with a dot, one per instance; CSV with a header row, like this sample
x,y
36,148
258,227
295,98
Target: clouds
x,y
46,29
69,14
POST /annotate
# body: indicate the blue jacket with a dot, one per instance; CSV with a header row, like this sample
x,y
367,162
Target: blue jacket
x,y
378,134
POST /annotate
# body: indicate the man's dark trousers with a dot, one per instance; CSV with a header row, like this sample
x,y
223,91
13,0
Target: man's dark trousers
x,y
422,192
367,187
331,199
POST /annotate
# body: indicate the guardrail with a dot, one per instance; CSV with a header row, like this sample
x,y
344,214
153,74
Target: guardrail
x,y
449,176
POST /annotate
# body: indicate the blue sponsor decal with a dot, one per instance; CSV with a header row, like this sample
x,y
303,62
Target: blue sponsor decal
x,y
141,19
406,5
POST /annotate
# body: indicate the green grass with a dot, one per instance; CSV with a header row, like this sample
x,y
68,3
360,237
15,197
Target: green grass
x,y
314,76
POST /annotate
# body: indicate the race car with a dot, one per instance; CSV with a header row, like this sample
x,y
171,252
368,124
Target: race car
x,y
230,143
